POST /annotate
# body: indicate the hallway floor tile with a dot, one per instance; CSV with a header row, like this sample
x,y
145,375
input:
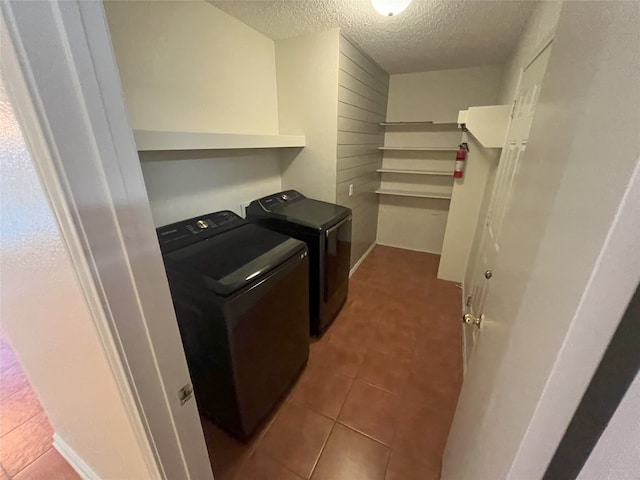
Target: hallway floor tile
x,y
26,450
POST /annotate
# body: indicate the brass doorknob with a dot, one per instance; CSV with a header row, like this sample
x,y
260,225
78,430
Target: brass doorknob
x,y
470,319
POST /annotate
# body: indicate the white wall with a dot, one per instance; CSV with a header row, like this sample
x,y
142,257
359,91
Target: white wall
x,y
539,28
188,66
465,210
419,223
412,223
46,319
307,77
616,456
439,95
192,185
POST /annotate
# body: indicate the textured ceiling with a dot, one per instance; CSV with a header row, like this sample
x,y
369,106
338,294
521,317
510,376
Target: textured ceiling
x,y
428,35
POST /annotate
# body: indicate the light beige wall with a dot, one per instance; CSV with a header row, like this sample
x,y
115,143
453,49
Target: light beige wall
x,y
539,28
188,66
362,105
188,184
307,73
46,319
439,95
420,223
465,210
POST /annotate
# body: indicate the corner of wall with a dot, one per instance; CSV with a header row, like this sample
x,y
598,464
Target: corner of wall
x,y
77,463
538,29
311,170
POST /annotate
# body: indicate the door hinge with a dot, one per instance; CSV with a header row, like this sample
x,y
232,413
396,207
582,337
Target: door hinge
x,y
185,394
468,302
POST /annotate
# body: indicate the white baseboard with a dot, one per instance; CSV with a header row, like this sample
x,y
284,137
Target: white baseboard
x,y
411,249
355,267
73,459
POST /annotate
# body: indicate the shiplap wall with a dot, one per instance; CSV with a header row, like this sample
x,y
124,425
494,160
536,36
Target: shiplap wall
x,y
362,105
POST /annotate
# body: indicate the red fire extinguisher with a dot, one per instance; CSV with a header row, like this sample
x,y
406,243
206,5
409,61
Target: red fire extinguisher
x,y
461,156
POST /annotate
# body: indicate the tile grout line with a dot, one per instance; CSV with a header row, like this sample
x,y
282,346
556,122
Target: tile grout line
x,y
353,380
335,422
314,410
5,367
271,457
324,444
30,463
386,467
354,429
16,392
386,390
25,421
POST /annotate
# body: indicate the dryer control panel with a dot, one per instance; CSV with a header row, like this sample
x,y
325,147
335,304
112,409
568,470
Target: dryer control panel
x,y
277,200
181,234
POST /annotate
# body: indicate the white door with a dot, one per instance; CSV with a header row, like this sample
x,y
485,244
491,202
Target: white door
x,y
488,254
495,299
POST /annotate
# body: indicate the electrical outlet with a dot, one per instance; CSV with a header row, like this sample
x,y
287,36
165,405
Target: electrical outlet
x,y
243,209
351,189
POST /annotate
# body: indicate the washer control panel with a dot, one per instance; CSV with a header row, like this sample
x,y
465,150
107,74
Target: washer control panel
x,y
210,222
180,234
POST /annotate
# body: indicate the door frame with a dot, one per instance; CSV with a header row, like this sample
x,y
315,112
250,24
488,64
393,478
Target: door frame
x,y
592,327
63,82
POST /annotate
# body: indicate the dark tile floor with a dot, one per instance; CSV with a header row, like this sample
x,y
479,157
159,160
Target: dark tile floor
x,y
26,450
377,398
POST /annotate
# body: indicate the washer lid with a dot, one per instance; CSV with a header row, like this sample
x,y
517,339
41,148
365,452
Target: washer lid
x,y
303,211
230,261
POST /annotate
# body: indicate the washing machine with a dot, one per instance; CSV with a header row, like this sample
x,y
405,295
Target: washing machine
x,y
326,229
241,295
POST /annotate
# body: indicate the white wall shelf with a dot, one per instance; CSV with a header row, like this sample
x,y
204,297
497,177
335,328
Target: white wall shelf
x,y
421,149
152,140
415,172
418,124
411,193
488,124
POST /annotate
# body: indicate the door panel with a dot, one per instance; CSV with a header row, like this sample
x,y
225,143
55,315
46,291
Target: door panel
x,y
503,190
497,298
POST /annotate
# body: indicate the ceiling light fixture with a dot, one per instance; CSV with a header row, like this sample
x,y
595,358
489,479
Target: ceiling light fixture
x,y
389,8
